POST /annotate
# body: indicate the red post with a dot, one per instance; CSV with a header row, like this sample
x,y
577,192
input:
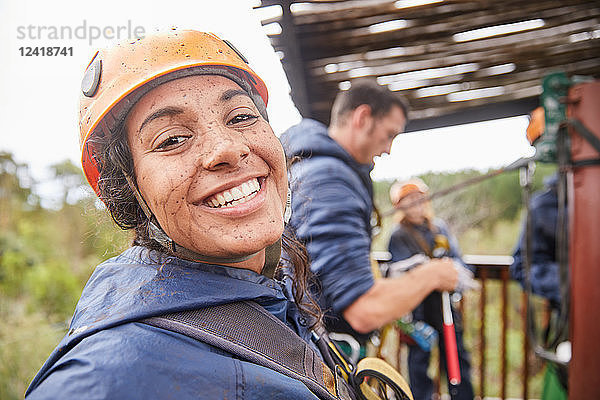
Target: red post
x,y
584,251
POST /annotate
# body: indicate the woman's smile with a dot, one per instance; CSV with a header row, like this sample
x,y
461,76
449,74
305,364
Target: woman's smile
x,y
234,196
239,200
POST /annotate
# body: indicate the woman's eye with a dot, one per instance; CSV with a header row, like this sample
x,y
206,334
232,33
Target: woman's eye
x,y
171,142
242,120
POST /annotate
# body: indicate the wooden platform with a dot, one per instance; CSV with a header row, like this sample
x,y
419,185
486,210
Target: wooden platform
x,y
426,53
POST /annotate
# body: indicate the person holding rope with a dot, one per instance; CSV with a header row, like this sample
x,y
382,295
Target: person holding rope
x,y
176,143
416,239
332,207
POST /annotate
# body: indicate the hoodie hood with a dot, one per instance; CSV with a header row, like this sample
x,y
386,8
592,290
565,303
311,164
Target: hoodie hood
x,y
310,139
142,283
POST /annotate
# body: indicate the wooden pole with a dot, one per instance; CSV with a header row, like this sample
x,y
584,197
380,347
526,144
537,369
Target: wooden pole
x,y
482,302
294,67
584,251
524,300
504,277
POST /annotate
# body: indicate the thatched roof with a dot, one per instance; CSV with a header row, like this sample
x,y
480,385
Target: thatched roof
x,y
424,52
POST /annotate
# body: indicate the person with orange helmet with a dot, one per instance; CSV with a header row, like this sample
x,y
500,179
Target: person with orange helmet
x,y
176,143
416,239
536,125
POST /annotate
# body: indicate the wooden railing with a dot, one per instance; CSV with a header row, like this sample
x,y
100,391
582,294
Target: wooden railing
x,y
494,271
496,268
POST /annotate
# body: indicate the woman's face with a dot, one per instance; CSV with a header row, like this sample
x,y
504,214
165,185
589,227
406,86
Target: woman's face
x,y
209,166
413,205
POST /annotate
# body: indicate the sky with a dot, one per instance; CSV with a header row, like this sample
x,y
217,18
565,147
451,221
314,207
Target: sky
x,y
39,95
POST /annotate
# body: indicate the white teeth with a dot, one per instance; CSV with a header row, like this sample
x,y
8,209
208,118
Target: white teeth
x,y
237,193
246,189
234,196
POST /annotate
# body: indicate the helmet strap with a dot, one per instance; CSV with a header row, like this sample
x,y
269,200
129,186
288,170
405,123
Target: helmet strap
x,y
273,252
272,256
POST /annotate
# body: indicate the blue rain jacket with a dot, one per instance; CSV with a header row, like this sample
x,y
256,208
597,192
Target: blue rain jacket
x,y
331,214
545,280
107,355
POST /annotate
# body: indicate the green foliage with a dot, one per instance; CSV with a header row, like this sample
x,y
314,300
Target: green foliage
x,y
499,239
52,288
46,256
27,338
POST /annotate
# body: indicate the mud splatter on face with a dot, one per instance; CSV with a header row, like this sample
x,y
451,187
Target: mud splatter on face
x,y
213,173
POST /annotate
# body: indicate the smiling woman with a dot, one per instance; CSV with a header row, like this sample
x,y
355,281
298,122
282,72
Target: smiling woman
x,y
175,141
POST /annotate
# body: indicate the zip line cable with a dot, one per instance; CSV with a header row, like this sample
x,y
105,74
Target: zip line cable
x,y
466,183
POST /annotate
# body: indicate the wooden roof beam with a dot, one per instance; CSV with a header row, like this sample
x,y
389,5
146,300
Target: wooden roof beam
x,y
294,63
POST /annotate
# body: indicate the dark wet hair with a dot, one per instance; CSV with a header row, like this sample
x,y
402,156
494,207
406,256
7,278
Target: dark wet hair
x,y
368,92
126,212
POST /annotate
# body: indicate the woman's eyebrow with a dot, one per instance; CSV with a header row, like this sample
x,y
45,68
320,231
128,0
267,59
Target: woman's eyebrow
x,y
163,112
231,93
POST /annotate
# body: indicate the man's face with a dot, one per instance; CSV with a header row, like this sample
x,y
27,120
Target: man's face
x,y
382,132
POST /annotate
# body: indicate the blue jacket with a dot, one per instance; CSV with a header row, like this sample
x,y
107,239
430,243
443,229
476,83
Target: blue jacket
x,y
107,355
331,214
544,267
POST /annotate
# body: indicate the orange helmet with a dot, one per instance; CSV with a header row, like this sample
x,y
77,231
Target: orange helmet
x,y
536,126
400,190
118,77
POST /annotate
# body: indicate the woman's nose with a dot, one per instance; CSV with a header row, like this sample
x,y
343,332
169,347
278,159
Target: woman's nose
x,y
225,150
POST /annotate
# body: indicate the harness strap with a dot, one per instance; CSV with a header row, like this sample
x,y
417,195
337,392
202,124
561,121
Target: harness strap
x,y
418,240
247,330
585,133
